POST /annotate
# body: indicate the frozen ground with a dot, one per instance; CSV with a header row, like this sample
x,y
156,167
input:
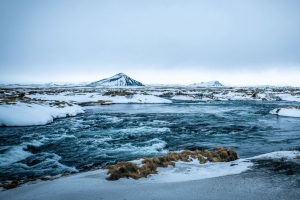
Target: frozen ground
x,y
95,97
256,183
16,104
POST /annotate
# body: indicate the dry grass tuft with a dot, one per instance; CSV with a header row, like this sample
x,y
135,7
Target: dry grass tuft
x,y
121,170
65,174
60,103
129,169
102,102
241,91
9,100
118,93
15,183
298,157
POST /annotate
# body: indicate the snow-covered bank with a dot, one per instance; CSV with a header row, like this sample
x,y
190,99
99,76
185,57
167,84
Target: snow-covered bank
x,y
24,114
93,185
96,97
289,97
278,154
287,112
187,171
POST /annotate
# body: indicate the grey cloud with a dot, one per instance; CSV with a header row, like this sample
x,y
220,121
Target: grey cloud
x,y
218,34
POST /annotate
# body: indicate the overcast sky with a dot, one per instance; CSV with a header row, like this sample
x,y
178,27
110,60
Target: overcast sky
x,y
234,41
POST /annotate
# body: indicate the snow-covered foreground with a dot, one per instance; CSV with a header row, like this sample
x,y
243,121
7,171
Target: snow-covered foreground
x,y
287,112
184,181
24,114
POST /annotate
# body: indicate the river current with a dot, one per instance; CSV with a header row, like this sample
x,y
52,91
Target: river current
x,y
119,132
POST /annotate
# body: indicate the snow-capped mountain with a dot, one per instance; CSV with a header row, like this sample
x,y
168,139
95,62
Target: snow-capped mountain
x,y
117,80
208,84
53,84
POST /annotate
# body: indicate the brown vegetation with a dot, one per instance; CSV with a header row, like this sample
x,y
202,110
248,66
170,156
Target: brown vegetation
x,y
118,93
241,91
15,183
60,103
9,100
102,102
129,169
167,94
144,93
298,157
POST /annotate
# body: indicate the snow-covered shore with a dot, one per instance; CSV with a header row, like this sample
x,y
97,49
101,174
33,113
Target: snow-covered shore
x,y
96,97
24,114
170,183
287,112
40,109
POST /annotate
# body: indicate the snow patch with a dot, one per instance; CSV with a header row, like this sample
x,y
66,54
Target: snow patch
x,y
187,171
95,97
287,112
23,114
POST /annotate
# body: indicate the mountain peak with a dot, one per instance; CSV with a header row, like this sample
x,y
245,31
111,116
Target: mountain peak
x,y
121,74
119,79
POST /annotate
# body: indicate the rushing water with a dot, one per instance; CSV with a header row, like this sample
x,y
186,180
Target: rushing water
x,y
105,134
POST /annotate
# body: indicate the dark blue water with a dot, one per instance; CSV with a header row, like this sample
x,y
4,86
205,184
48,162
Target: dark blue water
x,y
105,134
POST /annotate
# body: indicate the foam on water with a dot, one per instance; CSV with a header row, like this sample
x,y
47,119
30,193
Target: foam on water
x,y
154,146
12,154
49,163
139,131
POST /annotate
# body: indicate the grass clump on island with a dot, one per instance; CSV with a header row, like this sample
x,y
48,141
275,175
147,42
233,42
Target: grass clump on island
x,y
150,165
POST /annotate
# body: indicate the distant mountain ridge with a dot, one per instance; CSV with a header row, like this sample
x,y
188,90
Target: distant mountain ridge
x,y
65,84
116,80
208,84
